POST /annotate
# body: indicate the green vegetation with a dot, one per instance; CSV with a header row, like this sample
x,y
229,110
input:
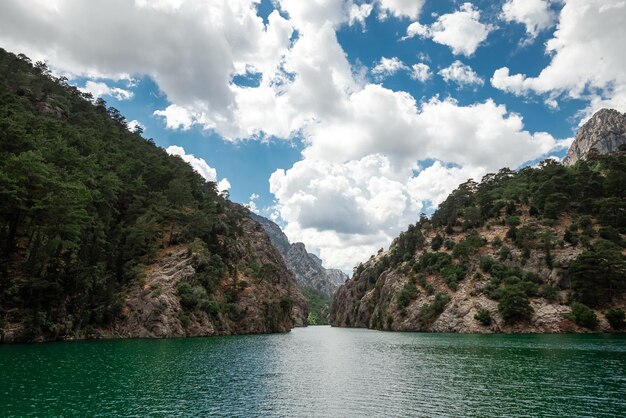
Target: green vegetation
x,y
483,316
429,312
598,274
514,305
616,318
408,293
85,205
582,316
319,306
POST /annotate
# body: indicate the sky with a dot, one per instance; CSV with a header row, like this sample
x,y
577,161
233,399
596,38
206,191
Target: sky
x,y
341,120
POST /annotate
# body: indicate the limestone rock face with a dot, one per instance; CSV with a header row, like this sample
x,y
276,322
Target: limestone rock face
x,y
153,308
370,299
306,267
604,132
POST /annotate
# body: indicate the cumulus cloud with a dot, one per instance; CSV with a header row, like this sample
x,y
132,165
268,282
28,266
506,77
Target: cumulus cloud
x,y
461,74
358,182
190,48
100,89
420,71
358,13
134,124
461,30
587,58
356,187
177,117
535,15
200,166
401,8
387,67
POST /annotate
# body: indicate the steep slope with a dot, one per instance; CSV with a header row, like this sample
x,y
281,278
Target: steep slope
x,y
540,250
605,132
103,233
305,266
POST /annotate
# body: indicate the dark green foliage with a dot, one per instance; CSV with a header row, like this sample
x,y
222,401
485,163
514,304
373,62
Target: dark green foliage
x,y
582,316
611,234
436,243
404,247
616,318
406,295
429,312
469,245
429,289
85,205
483,316
514,305
598,274
442,264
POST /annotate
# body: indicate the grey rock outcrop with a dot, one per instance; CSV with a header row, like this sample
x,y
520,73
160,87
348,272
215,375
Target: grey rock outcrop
x,y
306,267
605,132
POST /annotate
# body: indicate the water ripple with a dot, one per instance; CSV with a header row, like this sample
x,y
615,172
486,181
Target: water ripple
x,y
320,372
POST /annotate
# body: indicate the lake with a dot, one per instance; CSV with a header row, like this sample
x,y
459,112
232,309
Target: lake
x,y
320,371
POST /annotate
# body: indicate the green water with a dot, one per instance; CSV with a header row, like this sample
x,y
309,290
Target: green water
x,y
320,371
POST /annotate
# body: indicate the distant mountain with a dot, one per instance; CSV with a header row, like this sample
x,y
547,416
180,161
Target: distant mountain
x,y
538,250
605,132
105,234
305,266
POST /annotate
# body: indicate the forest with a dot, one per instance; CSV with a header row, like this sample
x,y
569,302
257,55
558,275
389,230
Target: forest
x,y
85,203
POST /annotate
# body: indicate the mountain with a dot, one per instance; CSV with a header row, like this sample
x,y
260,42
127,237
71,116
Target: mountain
x,y
538,250
307,267
317,283
605,132
106,235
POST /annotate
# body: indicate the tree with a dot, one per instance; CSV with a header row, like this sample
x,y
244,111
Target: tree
x,y
514,305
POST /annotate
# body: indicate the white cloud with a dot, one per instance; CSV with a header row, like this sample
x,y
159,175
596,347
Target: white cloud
x,y
461,74
358,13
535,15
200,166
134,124
355,186
461,30
100,89
177,117
420,72
587,58
190,48
387,67
402,8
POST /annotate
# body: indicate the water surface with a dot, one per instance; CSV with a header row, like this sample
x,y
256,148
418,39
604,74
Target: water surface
x,y
320,371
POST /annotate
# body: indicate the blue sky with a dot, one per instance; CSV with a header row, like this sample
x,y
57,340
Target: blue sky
x,y
316,109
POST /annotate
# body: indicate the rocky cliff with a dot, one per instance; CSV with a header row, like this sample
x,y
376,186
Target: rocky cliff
x,y
541,250
243,302
605,132
306,267
105,234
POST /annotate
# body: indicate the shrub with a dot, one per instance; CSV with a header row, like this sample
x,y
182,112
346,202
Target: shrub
x,y
421,280
583,316
616,318
449,244
514,305
429,289
436,243
406,295
429,312
549,292
483,316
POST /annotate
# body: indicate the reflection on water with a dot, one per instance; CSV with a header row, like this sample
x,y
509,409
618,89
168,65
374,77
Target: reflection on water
x,y
320,371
